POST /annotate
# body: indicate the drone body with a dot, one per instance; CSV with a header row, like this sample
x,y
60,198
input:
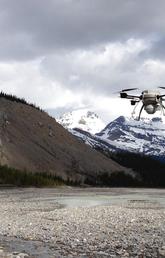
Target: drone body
x,y
152,101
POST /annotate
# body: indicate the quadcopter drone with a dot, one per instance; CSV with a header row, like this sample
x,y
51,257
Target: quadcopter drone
x,y
152,101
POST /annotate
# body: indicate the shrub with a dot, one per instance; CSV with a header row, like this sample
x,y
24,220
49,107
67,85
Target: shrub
x,y
25,178
18,100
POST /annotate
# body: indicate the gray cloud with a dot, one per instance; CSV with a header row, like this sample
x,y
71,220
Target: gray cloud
x,y
31,28
75,53
157,50
100,70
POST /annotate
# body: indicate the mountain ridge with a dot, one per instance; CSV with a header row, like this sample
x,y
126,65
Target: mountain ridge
x,y
126,134
31,140
145,136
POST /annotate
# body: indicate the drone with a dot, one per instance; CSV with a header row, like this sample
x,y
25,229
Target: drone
x,y
152,100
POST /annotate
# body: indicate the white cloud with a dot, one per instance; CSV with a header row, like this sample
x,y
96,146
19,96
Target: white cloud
x,y
26,80
85,78
100,69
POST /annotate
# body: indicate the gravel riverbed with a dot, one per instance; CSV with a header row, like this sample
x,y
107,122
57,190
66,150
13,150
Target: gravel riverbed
x,y
123,223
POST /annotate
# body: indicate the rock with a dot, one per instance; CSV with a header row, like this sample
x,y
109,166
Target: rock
x,y
79,231
22,255
40,124
161,253
50,133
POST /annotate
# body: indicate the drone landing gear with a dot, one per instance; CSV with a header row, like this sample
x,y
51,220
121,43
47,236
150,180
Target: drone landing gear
x,y
160,107
137,118
163,108
140,112
133,112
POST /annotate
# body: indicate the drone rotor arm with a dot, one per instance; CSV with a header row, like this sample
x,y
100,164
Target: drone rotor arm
x,y
133,97
129,89
161,96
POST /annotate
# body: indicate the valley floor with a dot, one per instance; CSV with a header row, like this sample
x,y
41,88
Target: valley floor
x,y
77,222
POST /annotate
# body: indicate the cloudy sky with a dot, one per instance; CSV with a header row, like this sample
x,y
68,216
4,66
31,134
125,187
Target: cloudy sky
x,y
70,54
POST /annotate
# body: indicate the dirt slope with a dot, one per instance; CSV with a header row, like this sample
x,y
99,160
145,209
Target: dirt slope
x,y
33,141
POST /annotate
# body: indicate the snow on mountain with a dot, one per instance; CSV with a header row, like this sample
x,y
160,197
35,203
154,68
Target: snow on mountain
x,y
82,119
146,136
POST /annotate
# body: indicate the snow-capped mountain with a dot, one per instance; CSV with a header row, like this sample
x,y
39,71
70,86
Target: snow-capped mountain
x,y
145,136
82,119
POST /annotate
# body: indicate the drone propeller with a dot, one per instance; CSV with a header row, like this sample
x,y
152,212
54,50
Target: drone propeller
x,y
124,90
160,87
129,89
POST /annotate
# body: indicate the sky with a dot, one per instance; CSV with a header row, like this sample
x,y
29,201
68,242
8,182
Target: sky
x,y
65,55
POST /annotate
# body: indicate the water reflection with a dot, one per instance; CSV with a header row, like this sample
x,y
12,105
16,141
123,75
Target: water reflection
x,y
83,201
127,200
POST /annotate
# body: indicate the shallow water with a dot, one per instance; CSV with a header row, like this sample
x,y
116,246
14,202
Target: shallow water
x,y
35,249
151,198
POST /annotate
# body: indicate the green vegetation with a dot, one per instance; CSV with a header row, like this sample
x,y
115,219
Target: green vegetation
x,y
149,173
18,100
150,170
23,178
116,179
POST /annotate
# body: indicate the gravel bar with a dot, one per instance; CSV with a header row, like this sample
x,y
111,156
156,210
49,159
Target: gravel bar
x,y
132,225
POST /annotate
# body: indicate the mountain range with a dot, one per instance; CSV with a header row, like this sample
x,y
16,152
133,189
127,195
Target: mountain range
x,y
146,136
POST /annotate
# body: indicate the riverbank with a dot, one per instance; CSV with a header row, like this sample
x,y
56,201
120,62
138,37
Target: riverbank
x,y
125,223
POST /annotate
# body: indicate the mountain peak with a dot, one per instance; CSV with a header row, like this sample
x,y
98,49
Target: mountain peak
x,y
145,136
82,119
120,119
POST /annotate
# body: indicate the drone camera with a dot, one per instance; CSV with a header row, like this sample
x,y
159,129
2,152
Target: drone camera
x,y
158,97
133,102
123,95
